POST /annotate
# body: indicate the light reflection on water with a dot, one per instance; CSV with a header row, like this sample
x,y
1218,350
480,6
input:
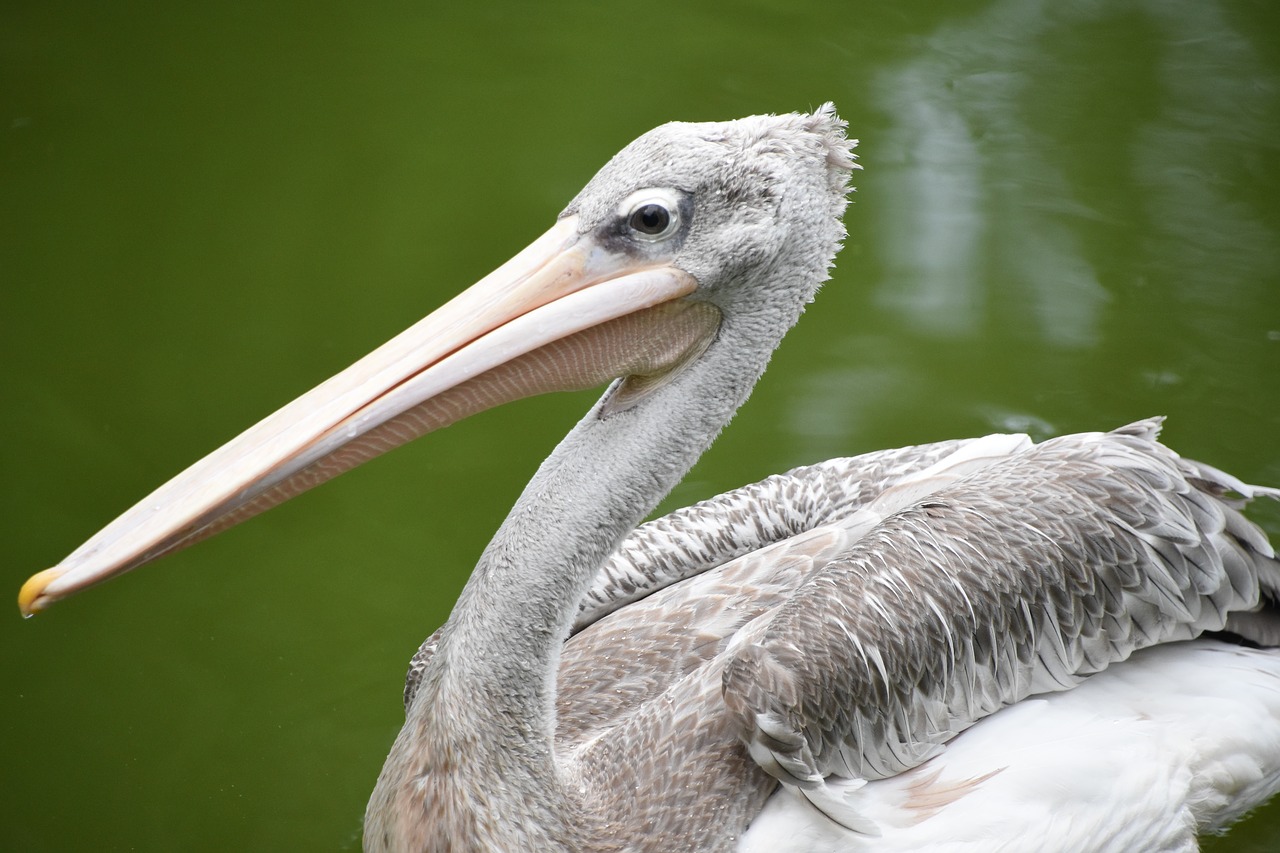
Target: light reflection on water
x,y
979,189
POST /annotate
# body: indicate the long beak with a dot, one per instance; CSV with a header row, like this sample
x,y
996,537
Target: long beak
x,y
565,313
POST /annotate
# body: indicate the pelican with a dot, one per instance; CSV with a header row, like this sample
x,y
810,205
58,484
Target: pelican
x,y
971,645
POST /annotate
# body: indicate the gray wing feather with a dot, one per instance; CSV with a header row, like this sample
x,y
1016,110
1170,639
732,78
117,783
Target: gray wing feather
x,y
1024,577
708,534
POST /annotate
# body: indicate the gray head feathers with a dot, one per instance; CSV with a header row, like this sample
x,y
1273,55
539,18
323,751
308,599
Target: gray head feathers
x,y
766,197
680,154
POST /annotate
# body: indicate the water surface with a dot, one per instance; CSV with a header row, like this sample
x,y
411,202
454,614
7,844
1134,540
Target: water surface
x,y
1068,220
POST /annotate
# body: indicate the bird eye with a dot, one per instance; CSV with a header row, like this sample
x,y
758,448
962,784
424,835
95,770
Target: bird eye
x,y
652,215
650,218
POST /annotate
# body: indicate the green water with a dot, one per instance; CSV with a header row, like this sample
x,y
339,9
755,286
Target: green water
x,y
1068,220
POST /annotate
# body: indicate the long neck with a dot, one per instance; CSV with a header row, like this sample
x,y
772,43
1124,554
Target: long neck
x,y
500,649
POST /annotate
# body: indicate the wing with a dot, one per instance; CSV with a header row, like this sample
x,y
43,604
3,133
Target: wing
x,y
1025,576
710,533
699,597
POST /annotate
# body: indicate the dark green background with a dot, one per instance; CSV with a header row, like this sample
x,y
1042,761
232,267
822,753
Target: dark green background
x,y
1068,220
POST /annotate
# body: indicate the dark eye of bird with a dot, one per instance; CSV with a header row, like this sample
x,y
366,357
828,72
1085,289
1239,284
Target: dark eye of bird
x,y
650,218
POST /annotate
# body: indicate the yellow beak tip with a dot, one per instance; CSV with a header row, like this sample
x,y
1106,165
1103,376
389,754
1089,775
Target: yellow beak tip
x,y
29,597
